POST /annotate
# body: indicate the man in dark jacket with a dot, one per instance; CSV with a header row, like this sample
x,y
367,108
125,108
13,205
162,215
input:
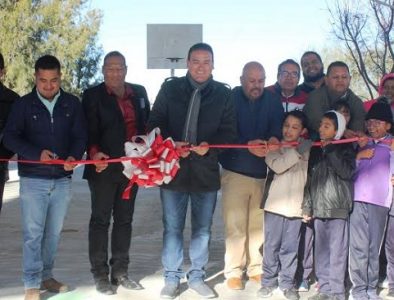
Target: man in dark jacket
x,y
44,125
115,112
259,116
193,110
7,97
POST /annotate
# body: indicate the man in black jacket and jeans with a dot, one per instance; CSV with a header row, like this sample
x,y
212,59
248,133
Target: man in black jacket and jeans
x,y
193,110
115,112
7,98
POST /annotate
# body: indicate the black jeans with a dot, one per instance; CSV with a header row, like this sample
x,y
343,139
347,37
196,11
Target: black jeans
x,y
106,201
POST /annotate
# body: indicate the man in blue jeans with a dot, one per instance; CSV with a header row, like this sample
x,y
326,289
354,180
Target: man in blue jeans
x,y
193,110
44,125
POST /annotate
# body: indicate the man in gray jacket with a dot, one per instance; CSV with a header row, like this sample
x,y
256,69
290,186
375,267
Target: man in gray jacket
x,y
337,82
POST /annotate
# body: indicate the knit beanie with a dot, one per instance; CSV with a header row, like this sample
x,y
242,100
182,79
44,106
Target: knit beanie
x,y
380,111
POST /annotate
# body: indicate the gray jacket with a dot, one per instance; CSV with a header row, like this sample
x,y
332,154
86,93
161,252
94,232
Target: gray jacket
x,y
319,101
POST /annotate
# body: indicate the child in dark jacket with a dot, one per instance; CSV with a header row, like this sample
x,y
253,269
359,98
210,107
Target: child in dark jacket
x,y
372,200
328,200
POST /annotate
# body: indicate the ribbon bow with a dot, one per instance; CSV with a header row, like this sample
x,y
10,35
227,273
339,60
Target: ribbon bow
x,y
153,161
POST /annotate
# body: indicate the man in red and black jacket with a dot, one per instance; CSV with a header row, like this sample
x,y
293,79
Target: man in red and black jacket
x,y
115,112
291,96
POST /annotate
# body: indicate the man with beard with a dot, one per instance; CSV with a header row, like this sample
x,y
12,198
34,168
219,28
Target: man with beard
x,y
313,73
259,118
336,87
291,96
312,70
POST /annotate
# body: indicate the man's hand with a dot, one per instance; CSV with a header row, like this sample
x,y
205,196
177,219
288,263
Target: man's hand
x,y
47,155
200,149
181,150
100,166
69,166
260,151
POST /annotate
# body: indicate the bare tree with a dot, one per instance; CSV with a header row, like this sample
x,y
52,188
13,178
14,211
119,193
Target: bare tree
x,y
365,28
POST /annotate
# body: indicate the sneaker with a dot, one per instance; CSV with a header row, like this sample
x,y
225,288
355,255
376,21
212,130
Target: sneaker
x,y
304,286
291,294
235,283
201,288
390,294
320,296
169,291
383,284
32,294
266,291
54,286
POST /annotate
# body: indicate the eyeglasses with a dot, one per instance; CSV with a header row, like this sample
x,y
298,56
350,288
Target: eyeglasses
x,y
375,123
293,74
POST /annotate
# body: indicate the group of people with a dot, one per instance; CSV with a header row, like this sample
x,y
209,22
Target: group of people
x,y
288,204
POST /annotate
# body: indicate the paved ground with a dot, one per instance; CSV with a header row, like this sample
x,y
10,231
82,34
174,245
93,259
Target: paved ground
x,y
72,264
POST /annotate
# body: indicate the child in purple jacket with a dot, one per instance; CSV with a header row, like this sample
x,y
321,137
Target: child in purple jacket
x,y
372,200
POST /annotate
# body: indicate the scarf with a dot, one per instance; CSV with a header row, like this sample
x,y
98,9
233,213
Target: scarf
x,y
193,110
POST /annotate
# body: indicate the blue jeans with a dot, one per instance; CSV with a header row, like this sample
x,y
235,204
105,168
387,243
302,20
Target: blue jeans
x,y
174,206
44,204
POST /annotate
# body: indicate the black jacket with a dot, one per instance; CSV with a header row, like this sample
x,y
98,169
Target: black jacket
x,y
329,187
30,129
107,129
7,98
216,125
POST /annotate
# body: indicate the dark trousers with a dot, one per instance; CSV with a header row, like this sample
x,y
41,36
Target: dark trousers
x,y
3,179
282,236
305,253
331,251
389,246
106,202
367,225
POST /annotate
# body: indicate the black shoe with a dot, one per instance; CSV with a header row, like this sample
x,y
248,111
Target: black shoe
x,y
126,282
103,286
291,294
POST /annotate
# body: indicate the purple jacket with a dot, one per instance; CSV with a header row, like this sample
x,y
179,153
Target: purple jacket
x,y
373,176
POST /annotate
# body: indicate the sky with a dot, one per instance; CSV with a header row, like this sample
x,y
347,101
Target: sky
x,y
267,31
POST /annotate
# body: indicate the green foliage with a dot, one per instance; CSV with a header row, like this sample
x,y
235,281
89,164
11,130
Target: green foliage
x,y
66,29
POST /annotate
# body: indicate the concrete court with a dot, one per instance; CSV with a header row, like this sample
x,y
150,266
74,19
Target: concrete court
x,y
72,264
